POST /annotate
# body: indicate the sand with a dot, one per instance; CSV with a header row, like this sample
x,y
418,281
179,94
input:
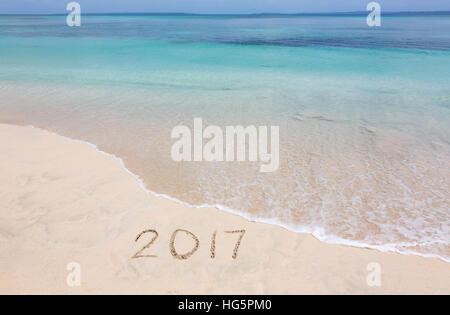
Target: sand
x,y
62,202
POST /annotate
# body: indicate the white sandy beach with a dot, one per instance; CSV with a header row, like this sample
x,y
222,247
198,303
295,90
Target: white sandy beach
x,y
61,201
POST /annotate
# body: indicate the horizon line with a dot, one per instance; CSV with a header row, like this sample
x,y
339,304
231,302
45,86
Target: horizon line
x,y
235,14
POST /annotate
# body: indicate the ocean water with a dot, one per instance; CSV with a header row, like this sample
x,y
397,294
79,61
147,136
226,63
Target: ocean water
x,y
364,113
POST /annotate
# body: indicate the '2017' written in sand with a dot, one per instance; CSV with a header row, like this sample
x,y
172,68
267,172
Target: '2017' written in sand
x,y
174,252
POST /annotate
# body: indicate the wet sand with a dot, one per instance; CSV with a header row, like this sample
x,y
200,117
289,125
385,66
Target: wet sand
x,y
63,202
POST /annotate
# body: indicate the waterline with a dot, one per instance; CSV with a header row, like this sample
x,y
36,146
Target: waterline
x,y
317,233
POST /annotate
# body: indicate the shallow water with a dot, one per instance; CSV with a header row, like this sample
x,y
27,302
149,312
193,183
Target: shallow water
x,y
364,113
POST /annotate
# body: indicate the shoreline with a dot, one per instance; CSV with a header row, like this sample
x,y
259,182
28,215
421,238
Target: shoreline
x,y
322,238
101,186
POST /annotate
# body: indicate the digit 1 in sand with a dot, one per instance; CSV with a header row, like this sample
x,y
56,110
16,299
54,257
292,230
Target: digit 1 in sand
x,y
213,245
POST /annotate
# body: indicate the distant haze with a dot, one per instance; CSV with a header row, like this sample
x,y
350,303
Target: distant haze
x,y
218,6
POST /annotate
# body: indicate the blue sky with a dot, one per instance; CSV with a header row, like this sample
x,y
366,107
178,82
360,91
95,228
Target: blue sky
x,y
219,6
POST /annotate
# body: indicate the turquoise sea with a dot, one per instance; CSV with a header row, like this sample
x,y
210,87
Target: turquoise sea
x,y
364,113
